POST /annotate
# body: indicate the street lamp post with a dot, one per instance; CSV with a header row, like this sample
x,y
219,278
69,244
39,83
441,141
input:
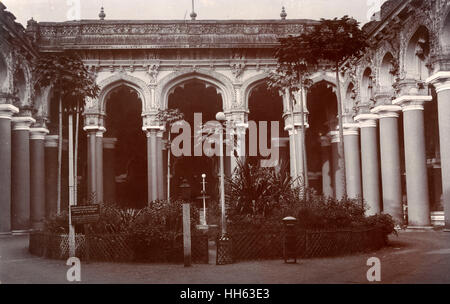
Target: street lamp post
x,y
204,198
220,116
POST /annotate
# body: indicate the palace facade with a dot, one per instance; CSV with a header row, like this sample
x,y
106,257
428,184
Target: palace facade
x,y
396,105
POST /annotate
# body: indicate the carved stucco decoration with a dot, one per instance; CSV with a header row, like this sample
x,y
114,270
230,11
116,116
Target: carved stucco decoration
x,y
153,71
237,68
218,80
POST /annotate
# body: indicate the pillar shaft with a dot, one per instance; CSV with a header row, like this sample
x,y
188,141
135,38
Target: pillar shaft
x,y
51,174
337,167
152,169
99,166
415,160
91,166
6,112
325,153
20,175
37,177
159,165
352,162
370,163
441,81
390,161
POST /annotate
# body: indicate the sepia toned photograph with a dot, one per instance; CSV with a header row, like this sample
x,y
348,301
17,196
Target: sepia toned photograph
x,y
204,144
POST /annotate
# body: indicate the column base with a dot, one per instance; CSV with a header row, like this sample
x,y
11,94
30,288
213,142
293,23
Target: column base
x,y
5,233
419,228
20,232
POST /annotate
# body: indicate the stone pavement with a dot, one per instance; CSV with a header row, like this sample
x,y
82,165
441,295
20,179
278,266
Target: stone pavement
x,y
412,257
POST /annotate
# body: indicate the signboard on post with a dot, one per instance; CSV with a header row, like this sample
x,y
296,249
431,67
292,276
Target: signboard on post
x,y
86,214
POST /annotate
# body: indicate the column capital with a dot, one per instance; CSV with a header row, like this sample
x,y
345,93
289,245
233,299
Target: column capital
x,y
38,133
387,111
412,102
440,80
351,129
367,120
334,135
109,142
22,123
94,129
51,141
8,110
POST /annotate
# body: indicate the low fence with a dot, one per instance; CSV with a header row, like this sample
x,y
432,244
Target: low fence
x,y
118,247
268,243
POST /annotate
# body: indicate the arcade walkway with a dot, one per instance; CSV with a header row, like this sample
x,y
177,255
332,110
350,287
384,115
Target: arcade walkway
x,y
413,257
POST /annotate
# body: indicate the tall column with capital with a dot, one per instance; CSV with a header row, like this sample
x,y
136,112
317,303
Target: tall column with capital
x,y
20,174
325,153
336,166
109,174
415,159
6,113
99,164
152,167
390,160
441,81
352,160
37,177
369,162
91,164
51,174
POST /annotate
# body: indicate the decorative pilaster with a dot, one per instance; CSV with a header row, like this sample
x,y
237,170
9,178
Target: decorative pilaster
x,y
51,174
352,160
370,163
415,159
6,113
325,152
337,167
37,177
94,146
20,174
390,160
152,168
441,82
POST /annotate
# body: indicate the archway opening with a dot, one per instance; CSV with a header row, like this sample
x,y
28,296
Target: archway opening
x,y
445,35
367,86
20,85
124,168
204,100
386,77
266,111
3,72
322,107
417,54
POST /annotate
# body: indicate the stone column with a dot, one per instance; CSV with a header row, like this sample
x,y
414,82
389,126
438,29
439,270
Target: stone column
x,y
296,146
325,153
241,129
415,160
370,163
282,145
352,160
160,164
37,177
441,81
91,164
20,175
390,161
51,174
152,169
6,112
99,164
336,166
109,174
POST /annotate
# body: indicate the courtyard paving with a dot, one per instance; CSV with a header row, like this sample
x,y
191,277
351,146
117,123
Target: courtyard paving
x,y
412,257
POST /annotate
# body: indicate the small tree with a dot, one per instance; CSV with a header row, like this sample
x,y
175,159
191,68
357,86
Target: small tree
x,y
71,80
169,117
327,42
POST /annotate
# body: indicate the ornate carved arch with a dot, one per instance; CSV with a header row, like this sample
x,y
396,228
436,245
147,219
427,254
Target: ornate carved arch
x,y
116,80
218,80
248,86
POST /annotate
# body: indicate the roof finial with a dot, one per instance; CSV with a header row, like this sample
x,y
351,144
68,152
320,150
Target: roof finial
x,y
283,14
102,14
193,13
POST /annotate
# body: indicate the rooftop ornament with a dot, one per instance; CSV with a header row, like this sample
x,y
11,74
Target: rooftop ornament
x,y
102,14
193,13
283,14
